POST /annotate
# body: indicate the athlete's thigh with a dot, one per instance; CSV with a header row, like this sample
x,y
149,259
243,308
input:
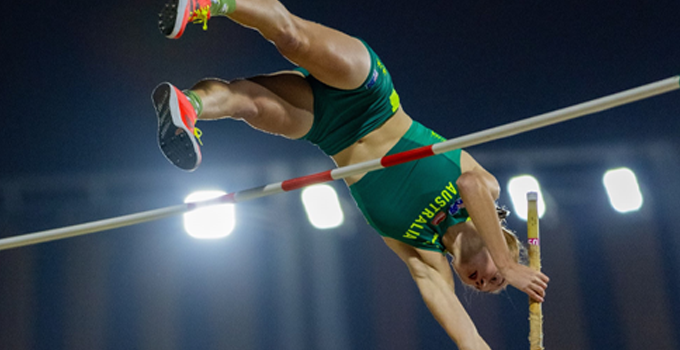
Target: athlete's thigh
x,y
335,58
287,104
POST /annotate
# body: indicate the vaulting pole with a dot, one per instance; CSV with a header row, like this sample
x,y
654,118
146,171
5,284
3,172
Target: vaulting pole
x,y
533,237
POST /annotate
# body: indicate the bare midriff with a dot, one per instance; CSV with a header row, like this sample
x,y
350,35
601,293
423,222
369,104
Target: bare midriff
x,y
375,145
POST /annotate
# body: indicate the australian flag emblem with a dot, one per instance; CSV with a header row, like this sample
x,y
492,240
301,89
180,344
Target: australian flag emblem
x,y
374,78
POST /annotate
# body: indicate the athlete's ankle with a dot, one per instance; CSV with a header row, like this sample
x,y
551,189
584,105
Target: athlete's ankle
x,y
222,7
195,101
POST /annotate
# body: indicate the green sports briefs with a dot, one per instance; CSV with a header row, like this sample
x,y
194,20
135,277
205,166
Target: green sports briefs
x,y
410,202
342,117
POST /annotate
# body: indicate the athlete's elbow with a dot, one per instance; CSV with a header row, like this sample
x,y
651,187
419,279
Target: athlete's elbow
x,y
470,183
474,182
473,342
470,340
419,269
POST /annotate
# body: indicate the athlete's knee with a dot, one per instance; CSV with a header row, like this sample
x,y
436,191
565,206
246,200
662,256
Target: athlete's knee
x,y
291,37
212,86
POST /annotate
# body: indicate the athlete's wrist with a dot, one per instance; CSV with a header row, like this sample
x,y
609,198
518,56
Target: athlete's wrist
x,y
504,265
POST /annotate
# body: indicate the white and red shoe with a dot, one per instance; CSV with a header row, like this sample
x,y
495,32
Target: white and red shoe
x,y
177,13
178,138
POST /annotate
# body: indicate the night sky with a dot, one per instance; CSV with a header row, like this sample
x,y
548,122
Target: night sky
x,y
77,80
78,75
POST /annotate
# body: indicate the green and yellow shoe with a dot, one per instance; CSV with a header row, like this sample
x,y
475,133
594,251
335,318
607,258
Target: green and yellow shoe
x,y
177,13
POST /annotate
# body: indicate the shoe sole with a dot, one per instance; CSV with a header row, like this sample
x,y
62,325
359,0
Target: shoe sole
x,y
172,18
174,139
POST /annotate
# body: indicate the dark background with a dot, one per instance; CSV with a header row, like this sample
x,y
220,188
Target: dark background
x,y
78,140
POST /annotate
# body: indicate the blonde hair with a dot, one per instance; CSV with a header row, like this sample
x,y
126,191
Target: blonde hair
x,y
516,247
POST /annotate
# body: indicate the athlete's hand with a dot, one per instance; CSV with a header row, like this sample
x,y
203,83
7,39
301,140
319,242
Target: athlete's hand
x,y
527,280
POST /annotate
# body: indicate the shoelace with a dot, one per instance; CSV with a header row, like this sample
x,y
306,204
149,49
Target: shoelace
x,y
201,15
198,133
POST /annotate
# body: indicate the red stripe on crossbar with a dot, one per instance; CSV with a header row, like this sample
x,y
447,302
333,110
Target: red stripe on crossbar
x,y
299,182
228,198
407,156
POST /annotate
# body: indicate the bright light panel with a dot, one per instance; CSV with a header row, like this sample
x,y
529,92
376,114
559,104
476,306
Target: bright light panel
x,y
322,206
623,190
211,222
518,187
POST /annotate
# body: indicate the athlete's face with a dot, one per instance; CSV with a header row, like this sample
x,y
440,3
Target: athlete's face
x,y
480,272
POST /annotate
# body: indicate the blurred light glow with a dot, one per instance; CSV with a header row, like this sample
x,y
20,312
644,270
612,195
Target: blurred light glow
x,y
623,190
322,206
518,187
211,222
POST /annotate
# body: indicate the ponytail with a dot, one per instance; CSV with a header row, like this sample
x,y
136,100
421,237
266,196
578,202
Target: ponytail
x,y
516,247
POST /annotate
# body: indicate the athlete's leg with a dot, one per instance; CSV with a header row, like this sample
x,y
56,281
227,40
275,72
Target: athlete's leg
x,y
280,103
331,56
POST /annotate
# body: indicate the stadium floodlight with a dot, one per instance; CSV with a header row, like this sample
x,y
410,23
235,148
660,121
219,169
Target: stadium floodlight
x,y
211,222
322,206
623,190
518,187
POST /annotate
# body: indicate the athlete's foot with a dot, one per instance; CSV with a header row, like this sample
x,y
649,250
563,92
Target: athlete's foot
x,y
176,14
177,136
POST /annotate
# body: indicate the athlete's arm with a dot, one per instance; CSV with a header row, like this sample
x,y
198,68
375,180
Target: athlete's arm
x,y
432,274
479,191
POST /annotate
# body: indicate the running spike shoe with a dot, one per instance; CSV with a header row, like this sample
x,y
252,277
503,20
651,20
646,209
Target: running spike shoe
x,y
177,13
178,138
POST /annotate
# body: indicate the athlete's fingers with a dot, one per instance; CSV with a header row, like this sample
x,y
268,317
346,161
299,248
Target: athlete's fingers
x,y
533,295
538,290
541,283
539,287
